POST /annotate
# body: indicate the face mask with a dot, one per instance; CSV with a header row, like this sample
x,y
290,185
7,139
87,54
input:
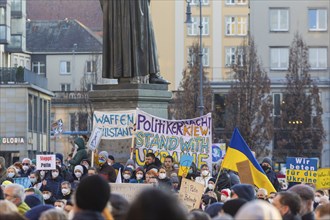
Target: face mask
x,y
58,208
203,207
25,168
126,176
77,174
265,168
130,167
317,199
205,172
139,176
101,161
65,191
87,166
59,165
270,200
190,171
223,198
33,180
211,186
46,196
42,173
10,175
162,176
54,174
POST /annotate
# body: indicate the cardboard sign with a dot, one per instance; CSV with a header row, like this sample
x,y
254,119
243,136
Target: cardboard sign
x,y
300,169
191,193
95,138
128,190
185,163
46,162
323,178
244,172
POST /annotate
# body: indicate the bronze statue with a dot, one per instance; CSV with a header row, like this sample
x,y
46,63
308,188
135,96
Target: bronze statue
x,y
129,47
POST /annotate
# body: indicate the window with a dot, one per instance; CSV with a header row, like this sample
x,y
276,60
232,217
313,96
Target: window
x,y
65,87
236,2
318,58
194,27
90,66
65,67
40,116
279,58
45,117
16,5
2,16
193,56
236,25
196,2
39,67
35,114
317,19
279,19
277,97
30,119
234,55
73,120
15,41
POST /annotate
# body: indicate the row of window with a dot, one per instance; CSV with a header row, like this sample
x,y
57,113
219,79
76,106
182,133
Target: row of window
x,y
227,2
65,67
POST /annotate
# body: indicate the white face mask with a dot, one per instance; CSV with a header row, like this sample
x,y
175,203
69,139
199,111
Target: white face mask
x,y
54,174
126,176
58,208
65,191
210,186
25,168
162,176
42,173
10,175
205,172
139,176
223,198
270,200
77,174
203,207
317,199
46,196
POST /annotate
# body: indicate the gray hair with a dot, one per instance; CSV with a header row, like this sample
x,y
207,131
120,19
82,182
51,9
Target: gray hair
x,y
28,159
52,214
18,191
66,183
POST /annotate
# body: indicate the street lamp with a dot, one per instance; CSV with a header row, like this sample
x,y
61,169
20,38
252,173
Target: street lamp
x,y
189,21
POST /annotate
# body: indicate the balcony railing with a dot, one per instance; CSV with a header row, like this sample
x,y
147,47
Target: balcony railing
x,y
13,75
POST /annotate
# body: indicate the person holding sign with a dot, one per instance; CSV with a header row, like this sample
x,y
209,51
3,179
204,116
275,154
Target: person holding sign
x,y
104,169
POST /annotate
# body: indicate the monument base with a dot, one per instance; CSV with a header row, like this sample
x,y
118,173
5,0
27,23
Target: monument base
x,y
151,98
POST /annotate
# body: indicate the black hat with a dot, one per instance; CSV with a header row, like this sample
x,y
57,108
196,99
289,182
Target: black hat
x,y
111,157
244,191
93,193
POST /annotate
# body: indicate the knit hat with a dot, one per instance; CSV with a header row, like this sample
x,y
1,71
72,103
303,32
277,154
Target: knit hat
x,y
35,212
244,191
212,179
130,162
104,154
232,206
32,200
226,192
80,168
139,169
59,156
214,209
267,160
93,193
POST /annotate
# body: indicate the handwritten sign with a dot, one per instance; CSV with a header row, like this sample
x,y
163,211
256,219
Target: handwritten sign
x,y
46,162
323,178
185,163
174,137
128,190
191,193
116,124
95,138
300,169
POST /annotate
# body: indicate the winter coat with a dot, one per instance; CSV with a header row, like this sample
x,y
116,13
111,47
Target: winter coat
x,y
54,186
81,153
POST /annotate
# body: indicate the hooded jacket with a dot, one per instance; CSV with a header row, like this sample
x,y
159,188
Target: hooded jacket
x,y
81,153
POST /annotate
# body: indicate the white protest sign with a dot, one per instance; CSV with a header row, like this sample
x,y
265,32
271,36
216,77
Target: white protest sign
x,y
46,162
95,138
128,190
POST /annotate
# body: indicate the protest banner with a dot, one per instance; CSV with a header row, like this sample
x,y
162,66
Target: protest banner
x,y
244,172
191,193
218,152
115,124
46,162
173,137
185,163
300,169
128,190
95,138
323,178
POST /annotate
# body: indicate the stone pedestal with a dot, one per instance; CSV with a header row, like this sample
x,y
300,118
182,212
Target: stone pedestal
x,y
151,98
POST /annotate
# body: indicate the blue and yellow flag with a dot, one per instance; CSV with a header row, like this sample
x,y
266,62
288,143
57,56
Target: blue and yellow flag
x,y
238,151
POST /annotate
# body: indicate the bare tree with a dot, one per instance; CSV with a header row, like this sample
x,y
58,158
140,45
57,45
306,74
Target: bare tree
x,y
186,100
249,103
300,132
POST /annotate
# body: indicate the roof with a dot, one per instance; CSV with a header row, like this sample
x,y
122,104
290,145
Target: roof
x,y
60,36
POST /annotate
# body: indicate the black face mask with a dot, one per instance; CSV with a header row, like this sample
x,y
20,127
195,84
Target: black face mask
x,y
265,168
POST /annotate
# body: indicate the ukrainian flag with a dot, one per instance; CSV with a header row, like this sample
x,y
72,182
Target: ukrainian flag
x,y
238,151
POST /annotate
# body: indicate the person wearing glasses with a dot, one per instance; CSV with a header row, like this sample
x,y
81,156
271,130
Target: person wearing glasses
x,y
15,194
26,167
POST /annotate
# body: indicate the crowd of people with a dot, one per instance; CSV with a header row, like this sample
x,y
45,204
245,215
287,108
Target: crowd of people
x,y
77,189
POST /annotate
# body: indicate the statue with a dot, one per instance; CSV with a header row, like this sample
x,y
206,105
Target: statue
x,y
129,47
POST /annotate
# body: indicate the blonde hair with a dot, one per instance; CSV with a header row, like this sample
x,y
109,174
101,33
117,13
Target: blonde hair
x,y
7,207
53,214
